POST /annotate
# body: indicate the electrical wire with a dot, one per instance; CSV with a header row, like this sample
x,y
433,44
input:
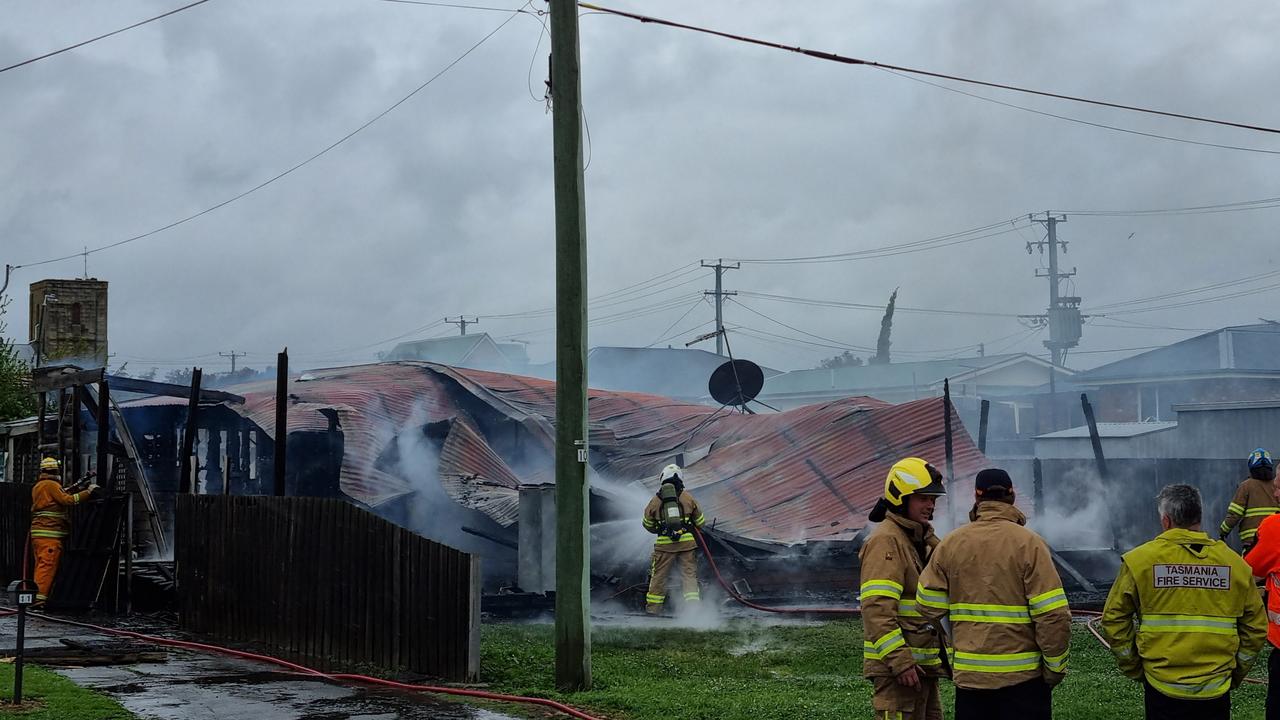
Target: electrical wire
x,y
1240,206
833,57
662,335
933,243
870,307
287,172
459,6
1078,120
102,37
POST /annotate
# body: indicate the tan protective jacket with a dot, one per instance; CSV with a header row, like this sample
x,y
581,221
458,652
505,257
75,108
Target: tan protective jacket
x,y
691,514
895,636
1254,502
995,581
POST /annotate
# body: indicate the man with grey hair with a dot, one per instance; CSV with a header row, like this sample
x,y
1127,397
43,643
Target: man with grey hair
x,y
1183,616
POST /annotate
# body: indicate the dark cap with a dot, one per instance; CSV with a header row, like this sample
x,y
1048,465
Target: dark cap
x,y
992,478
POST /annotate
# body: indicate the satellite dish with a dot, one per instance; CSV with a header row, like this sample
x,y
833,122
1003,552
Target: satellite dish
x,y
737,382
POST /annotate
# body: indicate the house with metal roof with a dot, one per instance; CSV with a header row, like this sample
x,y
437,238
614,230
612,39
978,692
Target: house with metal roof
x,y
1239,363
478,351
671,372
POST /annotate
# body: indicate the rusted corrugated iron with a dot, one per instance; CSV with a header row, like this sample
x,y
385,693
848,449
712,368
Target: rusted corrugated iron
x,y
809,474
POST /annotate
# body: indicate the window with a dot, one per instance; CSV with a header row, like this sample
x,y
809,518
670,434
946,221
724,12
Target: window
x,y
75,313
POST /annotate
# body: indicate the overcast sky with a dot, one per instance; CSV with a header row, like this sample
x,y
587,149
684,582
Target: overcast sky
x,y
700,148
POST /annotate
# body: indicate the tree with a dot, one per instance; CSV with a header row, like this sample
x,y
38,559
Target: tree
x,y
844,359
886,327
181,376
16,399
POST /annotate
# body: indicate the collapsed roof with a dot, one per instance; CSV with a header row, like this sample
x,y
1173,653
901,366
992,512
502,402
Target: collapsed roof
x,y
805,475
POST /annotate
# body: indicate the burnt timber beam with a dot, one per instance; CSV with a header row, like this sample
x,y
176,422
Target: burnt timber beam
x,y
151,387
59,377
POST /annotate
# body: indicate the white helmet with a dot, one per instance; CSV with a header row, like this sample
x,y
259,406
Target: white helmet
x,y
671,471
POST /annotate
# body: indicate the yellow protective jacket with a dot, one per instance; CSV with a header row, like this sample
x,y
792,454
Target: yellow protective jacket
x,y
1254,502
895,636
1184,614
49,503
995,581
689,512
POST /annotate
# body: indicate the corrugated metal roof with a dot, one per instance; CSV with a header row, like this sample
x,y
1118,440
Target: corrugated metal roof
x,y
865,378
807,474
1111,430
1241,348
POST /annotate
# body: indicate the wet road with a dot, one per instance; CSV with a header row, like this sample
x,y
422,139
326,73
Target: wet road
x,y
192,686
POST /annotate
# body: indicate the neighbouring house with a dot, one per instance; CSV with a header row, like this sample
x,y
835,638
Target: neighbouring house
x,y
476,352
671,372
1014,384
1233,364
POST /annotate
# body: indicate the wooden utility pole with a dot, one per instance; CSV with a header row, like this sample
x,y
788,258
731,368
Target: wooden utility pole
x,y
573,601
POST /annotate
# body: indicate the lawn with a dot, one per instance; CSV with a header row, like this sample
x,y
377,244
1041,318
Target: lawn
x,y
750,671
59,698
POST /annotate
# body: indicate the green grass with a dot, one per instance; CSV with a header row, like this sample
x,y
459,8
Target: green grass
x,y
59,698
753,672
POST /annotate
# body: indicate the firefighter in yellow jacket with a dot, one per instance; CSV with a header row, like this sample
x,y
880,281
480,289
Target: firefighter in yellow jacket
x,y
995,581
1254,501
50,523
672,514
1184,616
900,652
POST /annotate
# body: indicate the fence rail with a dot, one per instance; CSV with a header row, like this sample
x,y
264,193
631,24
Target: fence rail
x,y
322,581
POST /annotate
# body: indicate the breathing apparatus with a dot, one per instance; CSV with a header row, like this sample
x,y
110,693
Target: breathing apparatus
x,y
672,513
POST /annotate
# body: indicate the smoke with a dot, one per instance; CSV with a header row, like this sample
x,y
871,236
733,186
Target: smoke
x,y
1079,517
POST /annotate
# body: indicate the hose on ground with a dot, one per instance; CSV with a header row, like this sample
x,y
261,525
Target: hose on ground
x,y
334,677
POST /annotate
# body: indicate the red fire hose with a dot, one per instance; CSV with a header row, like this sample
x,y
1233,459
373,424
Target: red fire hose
x,y
765,608
346,677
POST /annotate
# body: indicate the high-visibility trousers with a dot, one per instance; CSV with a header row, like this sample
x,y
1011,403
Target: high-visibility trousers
x,y
48,552
660,567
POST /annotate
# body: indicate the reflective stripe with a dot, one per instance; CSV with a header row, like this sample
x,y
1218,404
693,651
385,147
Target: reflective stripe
x,y
1121,652
976,612
1235,509
932,598
692,595
667,540
1043,603
1223,528
1187,623
1244,658
1056,663
48,533
655,599
996,663
879,649
1247,534
907,608
50,513
1205,690
1262,511
928,657
649,523
700,520
880,588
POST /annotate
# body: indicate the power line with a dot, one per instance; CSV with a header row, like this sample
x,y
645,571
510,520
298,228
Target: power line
x,y
932,243
521,9
300,165
1261,204
101,37
1182,293
1103,126
870,307
662,335
832,57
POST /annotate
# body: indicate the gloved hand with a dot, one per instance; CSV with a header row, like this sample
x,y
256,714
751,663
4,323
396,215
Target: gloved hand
x,y
92,489
1222,536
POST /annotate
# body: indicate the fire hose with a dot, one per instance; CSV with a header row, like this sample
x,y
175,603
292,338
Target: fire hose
x,y
349,678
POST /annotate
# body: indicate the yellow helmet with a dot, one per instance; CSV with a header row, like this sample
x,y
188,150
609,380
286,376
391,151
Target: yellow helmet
x,y
908,476
50,463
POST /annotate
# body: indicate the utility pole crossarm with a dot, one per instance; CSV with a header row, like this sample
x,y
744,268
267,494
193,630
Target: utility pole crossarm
x,y
720,294
462,321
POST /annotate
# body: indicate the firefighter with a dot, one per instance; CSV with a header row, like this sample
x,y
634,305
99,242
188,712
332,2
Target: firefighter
x,y
1183,616
1010,627
1264,559
672,514
50,523
1254,500
900,652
